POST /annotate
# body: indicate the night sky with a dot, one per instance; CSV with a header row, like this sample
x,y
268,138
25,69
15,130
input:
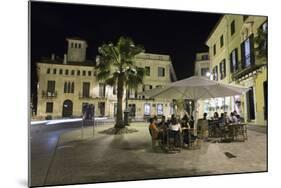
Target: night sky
x,y
179,34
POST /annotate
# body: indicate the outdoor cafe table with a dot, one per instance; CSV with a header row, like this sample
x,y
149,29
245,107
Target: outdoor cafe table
x,y
183,129
236,129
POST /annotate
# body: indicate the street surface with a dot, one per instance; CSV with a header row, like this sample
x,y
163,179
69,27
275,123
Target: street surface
x,y
61,154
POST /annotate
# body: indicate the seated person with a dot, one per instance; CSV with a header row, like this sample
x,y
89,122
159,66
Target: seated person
x,y
185,121
236,115
153,130
175,131
191,122
162,127
233,118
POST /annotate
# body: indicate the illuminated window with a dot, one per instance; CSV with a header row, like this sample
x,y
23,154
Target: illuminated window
x,y
247,53
147,109
160,110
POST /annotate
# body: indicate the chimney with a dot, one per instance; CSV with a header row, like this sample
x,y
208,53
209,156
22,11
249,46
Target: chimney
x,y
65,59
53,57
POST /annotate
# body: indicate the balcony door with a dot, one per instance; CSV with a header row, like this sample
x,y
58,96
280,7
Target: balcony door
x,y
251,104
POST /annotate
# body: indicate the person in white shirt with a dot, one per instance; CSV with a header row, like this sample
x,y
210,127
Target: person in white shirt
x,y
174,131
233,118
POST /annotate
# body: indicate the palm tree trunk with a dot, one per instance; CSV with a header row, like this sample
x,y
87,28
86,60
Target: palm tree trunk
x,y
119,115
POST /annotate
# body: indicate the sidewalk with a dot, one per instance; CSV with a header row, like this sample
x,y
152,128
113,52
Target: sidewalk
x,y
98,157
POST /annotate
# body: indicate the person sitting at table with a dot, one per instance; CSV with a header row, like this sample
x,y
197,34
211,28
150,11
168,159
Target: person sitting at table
x,y
174,131
162,126
236,115
233,118
185,121
216,116
154,131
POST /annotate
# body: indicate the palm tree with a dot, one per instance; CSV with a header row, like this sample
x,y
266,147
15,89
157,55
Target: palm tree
x,y
117,67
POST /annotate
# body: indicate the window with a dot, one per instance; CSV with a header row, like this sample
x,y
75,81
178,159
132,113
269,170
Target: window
x,y
75,45
89,73
68,87
78,73
147,70
65,87
234,60
51,87
72,87
214,49
79,45
215,73
66,72
49,107
204,71
222,69
147,109
161,72
84,73
48,71
232,27
86,89
54,71
101,90
132,93
61,71
205,57
221,41
72,72
72,45
247,52
160,110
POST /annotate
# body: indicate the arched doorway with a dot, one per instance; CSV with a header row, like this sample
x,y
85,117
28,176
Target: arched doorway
x,y
67,108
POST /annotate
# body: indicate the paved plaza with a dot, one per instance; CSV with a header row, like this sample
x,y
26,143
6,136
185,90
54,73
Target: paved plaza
x,y
98,157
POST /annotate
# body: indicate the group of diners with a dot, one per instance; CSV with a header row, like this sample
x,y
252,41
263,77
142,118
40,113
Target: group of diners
x,y
172,128
217,124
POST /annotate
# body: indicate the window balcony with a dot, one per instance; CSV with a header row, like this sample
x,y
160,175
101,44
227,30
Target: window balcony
x,y
243,73
49,94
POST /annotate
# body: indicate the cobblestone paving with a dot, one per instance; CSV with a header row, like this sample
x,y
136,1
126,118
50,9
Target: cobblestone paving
x,y
98,157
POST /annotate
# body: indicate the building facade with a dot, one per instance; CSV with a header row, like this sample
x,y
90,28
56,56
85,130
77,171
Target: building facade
x,y
66,85
234,60
202,64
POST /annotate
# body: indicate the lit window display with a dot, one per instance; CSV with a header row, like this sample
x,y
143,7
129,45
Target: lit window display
x,y
160,109
147,109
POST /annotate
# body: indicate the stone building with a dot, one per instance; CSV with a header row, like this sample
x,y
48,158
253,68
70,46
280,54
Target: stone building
x,y
234,60
202,64
65,85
